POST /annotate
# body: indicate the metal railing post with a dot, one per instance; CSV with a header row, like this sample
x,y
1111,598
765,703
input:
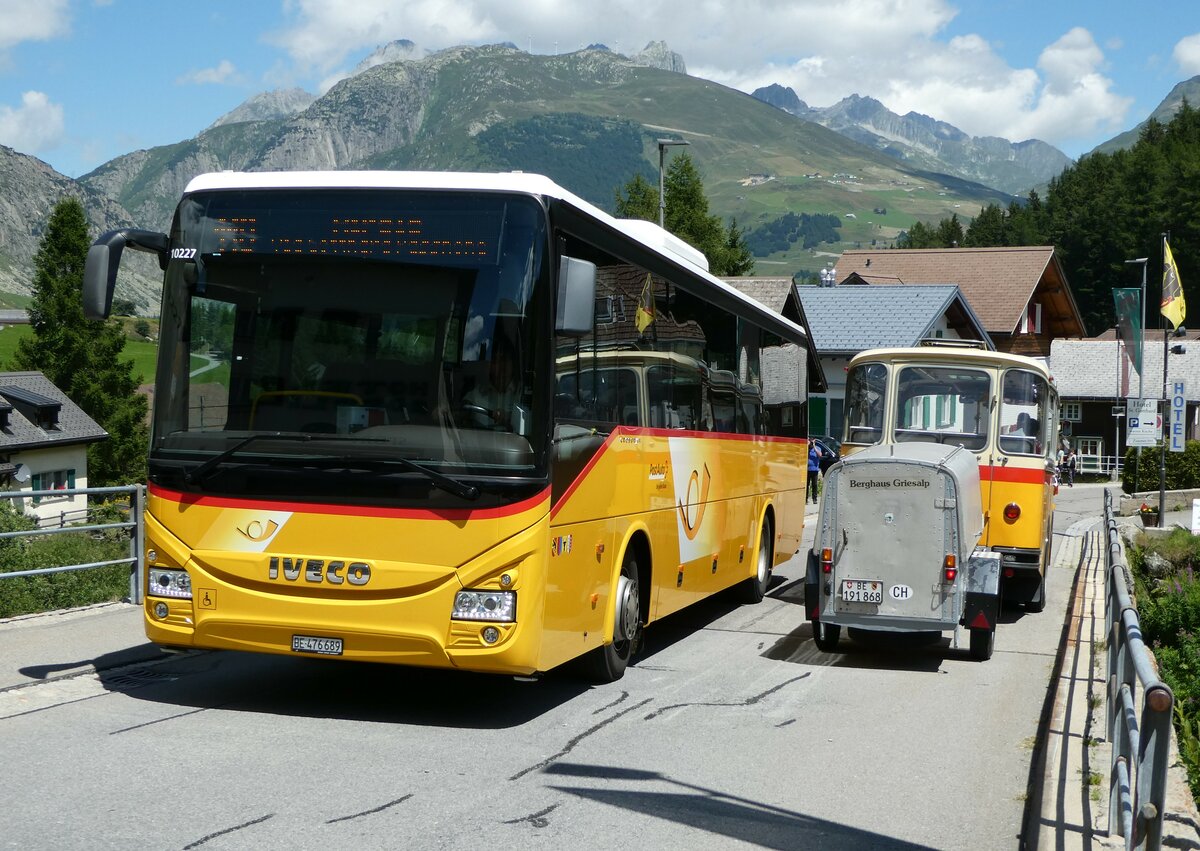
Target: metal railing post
x,y
1140,742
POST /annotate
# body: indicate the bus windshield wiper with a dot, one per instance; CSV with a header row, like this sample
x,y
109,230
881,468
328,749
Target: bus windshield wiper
x,y
438,480
197,474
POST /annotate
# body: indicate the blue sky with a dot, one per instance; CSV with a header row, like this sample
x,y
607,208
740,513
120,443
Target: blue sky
x,y
83,81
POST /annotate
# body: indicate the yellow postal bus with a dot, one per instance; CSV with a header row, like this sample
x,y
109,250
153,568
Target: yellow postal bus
x,y
1001,407
456,420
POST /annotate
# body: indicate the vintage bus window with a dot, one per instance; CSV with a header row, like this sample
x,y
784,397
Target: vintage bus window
x,y
1023,411
865,388
948,405
599,394
675,396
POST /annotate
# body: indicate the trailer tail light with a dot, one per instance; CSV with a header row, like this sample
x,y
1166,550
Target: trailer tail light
x,y
1011,512
827,560
950,567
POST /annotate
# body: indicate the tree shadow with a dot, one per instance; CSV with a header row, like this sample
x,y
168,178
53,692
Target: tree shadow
x,y
716,812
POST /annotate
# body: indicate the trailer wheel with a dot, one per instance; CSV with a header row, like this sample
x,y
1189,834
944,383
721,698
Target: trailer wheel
x,y
752,590
606,664
826,636
983,642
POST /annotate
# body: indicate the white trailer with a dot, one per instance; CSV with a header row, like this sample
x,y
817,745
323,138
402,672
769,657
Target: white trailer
x,y
895,547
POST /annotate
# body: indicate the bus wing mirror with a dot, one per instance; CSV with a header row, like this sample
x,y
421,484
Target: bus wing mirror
x,y
576,297
103,260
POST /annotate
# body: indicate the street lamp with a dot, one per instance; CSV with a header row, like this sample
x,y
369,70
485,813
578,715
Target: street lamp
x,y
663,144
828,276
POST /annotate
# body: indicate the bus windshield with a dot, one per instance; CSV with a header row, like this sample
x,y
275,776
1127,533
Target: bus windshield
x,y
362,338
943,404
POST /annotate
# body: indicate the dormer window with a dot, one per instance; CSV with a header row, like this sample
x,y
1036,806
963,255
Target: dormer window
x,y
40,410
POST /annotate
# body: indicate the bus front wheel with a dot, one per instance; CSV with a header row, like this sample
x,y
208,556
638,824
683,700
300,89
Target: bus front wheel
x,y
608,663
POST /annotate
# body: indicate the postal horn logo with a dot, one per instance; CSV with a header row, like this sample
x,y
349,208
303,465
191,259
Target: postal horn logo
x,y
257,531
691,513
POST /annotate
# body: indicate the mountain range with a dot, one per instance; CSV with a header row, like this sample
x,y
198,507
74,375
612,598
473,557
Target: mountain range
x,y
588,119
1014,167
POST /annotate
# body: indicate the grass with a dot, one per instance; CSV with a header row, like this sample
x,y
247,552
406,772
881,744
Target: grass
x,y
143,353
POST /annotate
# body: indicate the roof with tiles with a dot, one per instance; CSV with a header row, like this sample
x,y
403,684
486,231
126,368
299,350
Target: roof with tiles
x,y
852,319
1090,369
998,283
65,423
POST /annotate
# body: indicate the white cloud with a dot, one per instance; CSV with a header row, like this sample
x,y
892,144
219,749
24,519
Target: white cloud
x,y
894,50
1187,54
224,72
36,125
25,21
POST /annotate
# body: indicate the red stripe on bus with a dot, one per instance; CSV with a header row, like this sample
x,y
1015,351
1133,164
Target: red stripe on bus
x,y
352,510
621,431
1021,475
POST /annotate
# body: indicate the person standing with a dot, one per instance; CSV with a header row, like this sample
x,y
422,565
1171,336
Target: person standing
x,y
814,468
1070,464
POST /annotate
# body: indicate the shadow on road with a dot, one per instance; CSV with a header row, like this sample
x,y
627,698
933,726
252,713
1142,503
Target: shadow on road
x,y
918,652
719,813
317,688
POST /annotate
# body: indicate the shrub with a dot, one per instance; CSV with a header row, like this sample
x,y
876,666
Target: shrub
x,y
47,592
1183,468
1169,613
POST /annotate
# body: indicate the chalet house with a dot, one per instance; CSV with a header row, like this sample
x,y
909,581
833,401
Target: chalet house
x,y
43,446
844,321
1095,377
1020,294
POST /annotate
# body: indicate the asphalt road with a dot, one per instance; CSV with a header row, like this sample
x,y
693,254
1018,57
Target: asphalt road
x,y
732,731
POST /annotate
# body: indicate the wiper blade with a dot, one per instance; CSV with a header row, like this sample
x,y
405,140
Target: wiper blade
x,y
197,474
438,480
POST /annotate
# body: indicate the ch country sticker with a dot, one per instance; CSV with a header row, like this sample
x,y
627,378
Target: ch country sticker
x,y
691,510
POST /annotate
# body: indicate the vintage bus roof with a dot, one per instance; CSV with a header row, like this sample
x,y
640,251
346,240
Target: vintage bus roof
x,y
962,354
647,234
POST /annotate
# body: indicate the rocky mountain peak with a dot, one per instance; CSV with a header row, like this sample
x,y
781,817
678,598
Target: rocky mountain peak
x,y
267,106
656,54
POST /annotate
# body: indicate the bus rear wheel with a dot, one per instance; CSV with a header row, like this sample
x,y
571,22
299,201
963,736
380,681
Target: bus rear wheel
x,y
608,663
752,590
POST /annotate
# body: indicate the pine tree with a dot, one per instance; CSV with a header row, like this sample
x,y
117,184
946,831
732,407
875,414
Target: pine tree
x,y
687,216
81,357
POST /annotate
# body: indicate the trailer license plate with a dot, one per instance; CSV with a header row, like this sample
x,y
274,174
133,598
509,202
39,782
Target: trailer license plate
x,y
313,644
862,591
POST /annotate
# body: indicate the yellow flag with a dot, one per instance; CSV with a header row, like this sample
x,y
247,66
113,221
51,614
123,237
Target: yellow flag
x,y
644,317
1173,306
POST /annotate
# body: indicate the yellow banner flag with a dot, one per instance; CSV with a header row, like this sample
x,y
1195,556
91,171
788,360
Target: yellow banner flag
x,y
644,317
1173,306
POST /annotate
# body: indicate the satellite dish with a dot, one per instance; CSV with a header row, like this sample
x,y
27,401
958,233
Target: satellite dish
x,y
22,473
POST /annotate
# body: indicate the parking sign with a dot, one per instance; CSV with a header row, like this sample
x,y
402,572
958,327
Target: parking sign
x,y
1144,424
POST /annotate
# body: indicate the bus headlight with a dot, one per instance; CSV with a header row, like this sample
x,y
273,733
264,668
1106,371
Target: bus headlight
x,y
498,606
169,583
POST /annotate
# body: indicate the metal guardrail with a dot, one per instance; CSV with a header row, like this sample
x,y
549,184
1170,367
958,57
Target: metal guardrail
x,y
1140,743
137,537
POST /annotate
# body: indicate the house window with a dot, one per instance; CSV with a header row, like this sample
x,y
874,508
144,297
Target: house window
x,y
55,480
1072,411
1031,320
